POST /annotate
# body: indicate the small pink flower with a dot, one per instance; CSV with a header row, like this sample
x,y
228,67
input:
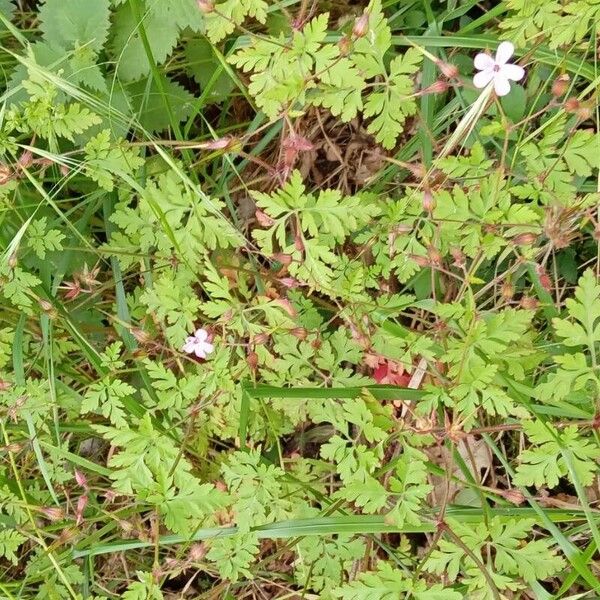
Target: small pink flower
x,y
497,70
198,344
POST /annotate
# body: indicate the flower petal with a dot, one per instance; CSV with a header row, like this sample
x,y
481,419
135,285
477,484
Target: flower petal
x,y
484,61
514,72
189,346
201,334
482,78
501,85
504,52
208,348
199,351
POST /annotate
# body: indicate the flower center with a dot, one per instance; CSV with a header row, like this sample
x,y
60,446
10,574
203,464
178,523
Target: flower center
x,y
496,68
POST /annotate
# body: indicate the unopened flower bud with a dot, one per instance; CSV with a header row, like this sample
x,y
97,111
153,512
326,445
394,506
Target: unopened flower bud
x,y
260,339
345,45
299,332
5,174
53,513
206,6
418,170
422,261
545,279
264,220
584,113
429,202
252,360
508,290
26,159
140,335
81,504
13,447
560,85
571,105
437,87
198,552
529,303
524,239
284,259
289,282
12,260
514,496
45,305
5,385
434,255
126,526
458,256
64,170
448,70
81,479
361,26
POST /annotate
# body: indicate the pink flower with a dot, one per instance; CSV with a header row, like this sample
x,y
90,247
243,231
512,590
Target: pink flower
x,y
497,70
198,344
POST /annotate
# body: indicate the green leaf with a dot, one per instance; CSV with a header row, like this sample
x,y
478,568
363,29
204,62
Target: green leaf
x,y
42,240
70,24
162,22
228,14
388,583
147,100
10,541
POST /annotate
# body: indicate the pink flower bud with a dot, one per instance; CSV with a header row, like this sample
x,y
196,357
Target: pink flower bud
x,y
81,479
81,504
429,202
361,26
206,6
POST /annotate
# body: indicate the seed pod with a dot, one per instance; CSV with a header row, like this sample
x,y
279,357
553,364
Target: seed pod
x,y
560,85
361,26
